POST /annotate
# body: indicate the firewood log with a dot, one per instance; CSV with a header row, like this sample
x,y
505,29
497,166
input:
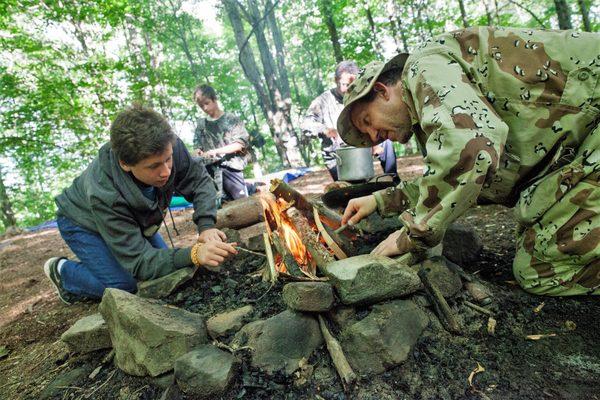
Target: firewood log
x,y
240,213
288,259
318,252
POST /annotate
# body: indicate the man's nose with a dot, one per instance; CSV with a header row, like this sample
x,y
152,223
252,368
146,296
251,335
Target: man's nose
x,y
165,171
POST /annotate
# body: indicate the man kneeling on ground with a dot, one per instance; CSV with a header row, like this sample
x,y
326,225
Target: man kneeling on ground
x,y
111,214
504,116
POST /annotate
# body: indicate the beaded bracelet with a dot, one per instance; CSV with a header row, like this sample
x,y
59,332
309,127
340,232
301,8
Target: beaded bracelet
x,y
194,254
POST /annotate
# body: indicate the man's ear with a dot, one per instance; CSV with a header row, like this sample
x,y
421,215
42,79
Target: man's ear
x,y
381,90
124,166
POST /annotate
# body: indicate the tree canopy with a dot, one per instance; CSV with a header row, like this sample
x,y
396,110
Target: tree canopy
x,y
67,67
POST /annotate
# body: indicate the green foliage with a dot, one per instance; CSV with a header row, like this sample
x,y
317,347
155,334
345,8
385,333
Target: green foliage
x,y
67,67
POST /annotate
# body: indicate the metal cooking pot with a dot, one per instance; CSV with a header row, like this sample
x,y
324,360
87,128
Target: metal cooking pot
x,y
354,163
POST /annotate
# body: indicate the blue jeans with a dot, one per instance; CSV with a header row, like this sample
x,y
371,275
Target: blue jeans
x,y
388,158
97,269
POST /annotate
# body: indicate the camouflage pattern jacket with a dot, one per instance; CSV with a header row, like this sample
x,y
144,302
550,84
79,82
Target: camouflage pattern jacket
x,y
212,134
492,109
322,115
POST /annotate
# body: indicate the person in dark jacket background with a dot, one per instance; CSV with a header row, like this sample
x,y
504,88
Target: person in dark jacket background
x,y
111,214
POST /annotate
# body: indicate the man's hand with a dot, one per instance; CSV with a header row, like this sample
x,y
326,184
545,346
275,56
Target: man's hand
x,y
211,254
359,208
389,246
377,150
331,133
212,235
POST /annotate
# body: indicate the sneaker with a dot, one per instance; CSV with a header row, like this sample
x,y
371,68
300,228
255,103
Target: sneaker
x,y
51,271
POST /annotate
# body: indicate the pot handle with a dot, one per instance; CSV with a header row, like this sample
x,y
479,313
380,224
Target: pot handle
x,y
339,159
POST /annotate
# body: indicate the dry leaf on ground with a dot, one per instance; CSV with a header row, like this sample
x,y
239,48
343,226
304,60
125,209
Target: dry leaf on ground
x,y
540,336
477,370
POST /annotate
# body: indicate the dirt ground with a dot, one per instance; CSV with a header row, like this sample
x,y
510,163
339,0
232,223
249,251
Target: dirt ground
x,y
564,366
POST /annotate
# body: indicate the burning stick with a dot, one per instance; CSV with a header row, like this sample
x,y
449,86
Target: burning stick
x,y
311,241
282,190
439,303
288,259
337,355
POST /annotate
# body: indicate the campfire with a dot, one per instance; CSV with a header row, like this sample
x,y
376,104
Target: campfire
x,y
300,237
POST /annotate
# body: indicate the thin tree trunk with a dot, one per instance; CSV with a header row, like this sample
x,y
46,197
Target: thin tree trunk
x,y
6,212
397,27
326,9
374,41
279,51
248,63
535,17
463,13
585,15
184,41
564,14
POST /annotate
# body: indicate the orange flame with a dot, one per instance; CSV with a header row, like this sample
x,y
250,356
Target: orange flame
x,y
274,211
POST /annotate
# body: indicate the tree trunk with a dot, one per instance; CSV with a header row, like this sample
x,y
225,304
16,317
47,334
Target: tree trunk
x,y
326,9
184,42
281,118
463,13
7,216
279,52
374,41
395,19
585,15
564,14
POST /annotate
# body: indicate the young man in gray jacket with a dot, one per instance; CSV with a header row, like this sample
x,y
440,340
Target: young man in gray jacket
x,y
111,214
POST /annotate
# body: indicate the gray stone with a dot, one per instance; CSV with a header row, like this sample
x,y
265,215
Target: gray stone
x,y
252,238
462,245
148,336
280,342
165,285
368,279
3,352
205,372
69,378
385,337
229,322
479,292
164,381
308,296
88,334
342,316
440,275
256,243
233,236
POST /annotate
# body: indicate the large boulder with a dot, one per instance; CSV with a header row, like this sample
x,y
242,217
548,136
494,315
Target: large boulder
x,y
308,296
165,285
229,322
368,279
462,245
385,337
87,334
148,336
280,342
205,372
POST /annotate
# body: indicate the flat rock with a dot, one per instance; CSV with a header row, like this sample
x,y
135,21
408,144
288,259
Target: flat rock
x,y
56,388
87,334
440,275
280,342
252,237
148,336
368,279
226,323
385,337
308,296
462,245
205,372
165,285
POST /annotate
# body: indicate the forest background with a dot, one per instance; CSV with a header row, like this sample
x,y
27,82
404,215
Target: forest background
x,y
68,66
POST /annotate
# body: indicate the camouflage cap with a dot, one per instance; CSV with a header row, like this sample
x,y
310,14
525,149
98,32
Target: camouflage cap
x,y
359,88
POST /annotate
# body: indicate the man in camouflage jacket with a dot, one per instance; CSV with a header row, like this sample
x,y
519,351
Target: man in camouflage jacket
x,y
505,116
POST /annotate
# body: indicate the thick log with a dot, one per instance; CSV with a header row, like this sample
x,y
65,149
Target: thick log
x,y
318,252
240,213
288,259
440,305
340,362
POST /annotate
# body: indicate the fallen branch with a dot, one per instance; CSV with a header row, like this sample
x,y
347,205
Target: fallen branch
x,y
478,308
442,308
270,260
340,362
